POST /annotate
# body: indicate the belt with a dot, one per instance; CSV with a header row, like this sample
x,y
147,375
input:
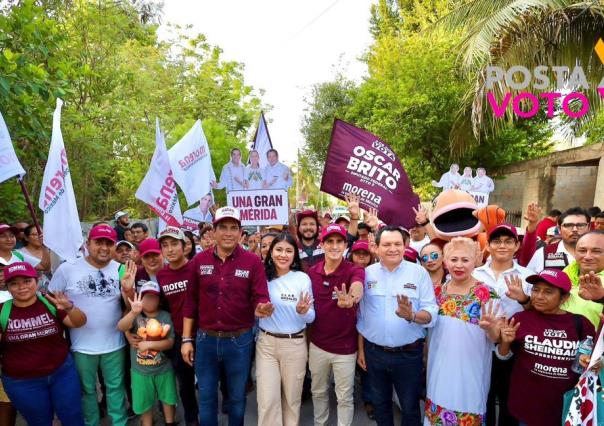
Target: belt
x,y
418,343
225,334
296,335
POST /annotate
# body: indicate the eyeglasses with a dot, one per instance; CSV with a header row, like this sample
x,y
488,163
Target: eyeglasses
x,y
433,256
103,281
579,226
507,243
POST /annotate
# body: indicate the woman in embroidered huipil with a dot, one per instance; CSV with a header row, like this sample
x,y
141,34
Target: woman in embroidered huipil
x,y
254,174
461,343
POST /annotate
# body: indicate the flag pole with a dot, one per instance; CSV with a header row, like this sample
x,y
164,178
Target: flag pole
x,y
30,207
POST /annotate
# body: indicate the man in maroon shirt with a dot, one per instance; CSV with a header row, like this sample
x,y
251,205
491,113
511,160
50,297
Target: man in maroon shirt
x,y
337,287
547,222
227,290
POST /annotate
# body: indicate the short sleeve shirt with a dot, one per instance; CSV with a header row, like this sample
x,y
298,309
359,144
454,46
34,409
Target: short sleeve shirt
x,y
151,328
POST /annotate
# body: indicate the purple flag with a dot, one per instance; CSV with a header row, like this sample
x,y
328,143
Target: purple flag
x,y
360,163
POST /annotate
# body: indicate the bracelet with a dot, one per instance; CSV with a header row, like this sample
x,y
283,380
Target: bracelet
x,y
187,340
412,320
503,357
425,223
527,301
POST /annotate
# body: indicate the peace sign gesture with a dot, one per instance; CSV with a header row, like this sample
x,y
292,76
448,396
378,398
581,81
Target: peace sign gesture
x,y
304,303
345,299
136,305
405,307
508,330
515,290
421,214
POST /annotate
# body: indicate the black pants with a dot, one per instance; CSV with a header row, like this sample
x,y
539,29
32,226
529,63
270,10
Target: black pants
x,y
185,374
500,388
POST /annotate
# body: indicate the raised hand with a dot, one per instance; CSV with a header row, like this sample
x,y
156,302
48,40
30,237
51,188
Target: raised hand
x,y
532,216
590,287
60,300
405,307
353,205
136,305
508,330
345,299
372,218
421,214
264,310
488,316
304,303
129,276
515,291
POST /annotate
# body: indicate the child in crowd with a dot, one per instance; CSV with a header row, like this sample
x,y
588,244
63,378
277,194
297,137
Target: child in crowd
x,y
153,378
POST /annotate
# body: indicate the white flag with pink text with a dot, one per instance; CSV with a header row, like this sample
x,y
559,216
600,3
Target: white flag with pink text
x,y
158,188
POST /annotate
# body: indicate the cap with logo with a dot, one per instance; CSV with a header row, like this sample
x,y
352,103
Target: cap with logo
x,y
149,245
120,214
149,287
554,277
360,245
100,232
4,227
227,212
19,269
504,229
333,229
411,254
173,232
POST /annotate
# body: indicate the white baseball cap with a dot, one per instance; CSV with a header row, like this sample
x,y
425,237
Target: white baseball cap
x,y
171,231
120,214
227,213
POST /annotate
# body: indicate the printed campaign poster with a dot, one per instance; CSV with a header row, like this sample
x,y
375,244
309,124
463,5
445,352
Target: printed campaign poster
x,y
359,162
261,207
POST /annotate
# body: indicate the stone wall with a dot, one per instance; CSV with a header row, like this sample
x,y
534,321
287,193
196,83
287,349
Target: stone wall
x,y
575,186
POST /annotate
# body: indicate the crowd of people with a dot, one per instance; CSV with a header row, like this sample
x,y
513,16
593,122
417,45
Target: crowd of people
x,y
459,334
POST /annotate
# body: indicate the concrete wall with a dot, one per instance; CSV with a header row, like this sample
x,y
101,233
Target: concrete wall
x,y
574,186
507,191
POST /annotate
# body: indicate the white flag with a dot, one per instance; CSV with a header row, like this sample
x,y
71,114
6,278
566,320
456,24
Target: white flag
x,y
158,188
9,163
262,141
62,230
192,164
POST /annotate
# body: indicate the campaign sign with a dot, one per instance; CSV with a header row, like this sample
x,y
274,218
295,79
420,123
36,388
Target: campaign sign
x,y
482,198
260,207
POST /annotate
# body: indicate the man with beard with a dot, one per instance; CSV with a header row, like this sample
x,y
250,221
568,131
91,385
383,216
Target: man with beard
x,y
573,223
308,238
122,221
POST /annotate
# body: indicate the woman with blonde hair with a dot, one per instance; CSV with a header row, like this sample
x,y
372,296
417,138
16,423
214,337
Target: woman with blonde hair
x,y
461,342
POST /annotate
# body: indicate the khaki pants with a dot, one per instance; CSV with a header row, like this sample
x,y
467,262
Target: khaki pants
x,y
321,363
280,371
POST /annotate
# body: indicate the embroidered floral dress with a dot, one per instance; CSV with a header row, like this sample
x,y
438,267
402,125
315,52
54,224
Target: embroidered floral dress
x,y
255,177
459,360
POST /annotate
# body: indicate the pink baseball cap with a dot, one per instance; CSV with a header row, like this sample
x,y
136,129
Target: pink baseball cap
x,y
411,254
100,232
5,227
360,245
504,229
149,245
333,228
554,277
19,269
149,287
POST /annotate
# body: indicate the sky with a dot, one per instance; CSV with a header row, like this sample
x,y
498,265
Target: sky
x,y
286,47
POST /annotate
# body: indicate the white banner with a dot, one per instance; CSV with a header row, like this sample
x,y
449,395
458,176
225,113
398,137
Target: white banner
x,y
158,188
482,198
9,163
262,207
192,164
262,141
62,229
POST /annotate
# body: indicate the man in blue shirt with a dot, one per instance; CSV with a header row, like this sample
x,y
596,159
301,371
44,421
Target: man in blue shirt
x,y
398,306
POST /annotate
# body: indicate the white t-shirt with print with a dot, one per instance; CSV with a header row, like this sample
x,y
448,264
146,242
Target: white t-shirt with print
x,y
97,293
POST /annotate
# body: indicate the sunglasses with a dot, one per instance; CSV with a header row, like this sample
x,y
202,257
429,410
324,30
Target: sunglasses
x,y
433,256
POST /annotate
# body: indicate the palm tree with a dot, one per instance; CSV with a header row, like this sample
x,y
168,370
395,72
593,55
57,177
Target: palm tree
x,y
521,32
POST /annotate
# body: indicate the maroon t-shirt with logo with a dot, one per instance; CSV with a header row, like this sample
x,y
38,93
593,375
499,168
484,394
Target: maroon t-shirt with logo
x,y
173,284
544,351
334,329
33,344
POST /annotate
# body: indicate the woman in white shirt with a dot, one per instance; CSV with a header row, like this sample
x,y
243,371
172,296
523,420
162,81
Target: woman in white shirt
x,y
254,174
281,351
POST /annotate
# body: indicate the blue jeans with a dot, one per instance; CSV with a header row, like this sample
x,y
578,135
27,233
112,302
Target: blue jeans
x,y
403,370
38,399
236,356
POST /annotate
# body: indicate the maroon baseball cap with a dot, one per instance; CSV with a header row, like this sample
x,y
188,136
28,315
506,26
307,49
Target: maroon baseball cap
x,y
149,245
333,229
100,232
19,269
5,227
504,229
554,277
306,213
360,245
411,254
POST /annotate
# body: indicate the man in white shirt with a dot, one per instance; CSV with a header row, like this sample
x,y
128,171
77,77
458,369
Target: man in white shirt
x,y
201,213
419,238
497,272
233,173
93,284
450,179
397,308
573,223
482,183
277,174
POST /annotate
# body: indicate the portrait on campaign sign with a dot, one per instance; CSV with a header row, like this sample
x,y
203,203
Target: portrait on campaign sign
x,y
481,183
262,207
359,162
198,214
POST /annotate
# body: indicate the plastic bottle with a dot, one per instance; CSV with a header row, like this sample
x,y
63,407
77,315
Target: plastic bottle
x,y
585,348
